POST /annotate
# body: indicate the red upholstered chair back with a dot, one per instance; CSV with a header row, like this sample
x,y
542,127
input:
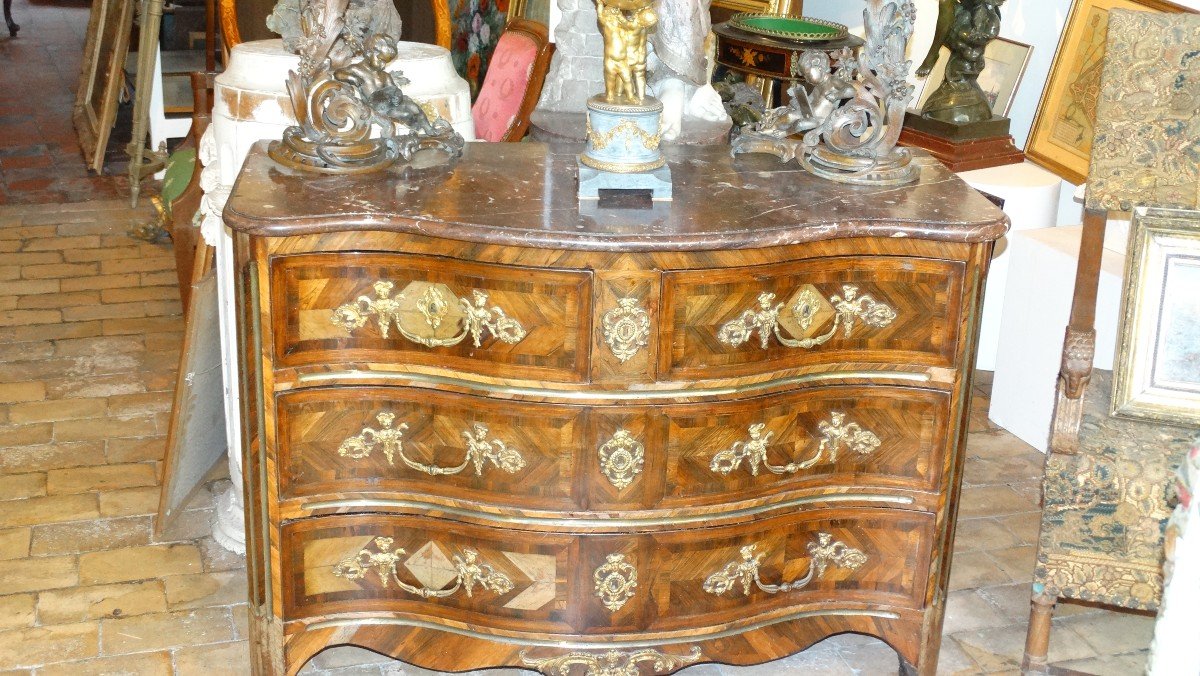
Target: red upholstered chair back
x,y
514,82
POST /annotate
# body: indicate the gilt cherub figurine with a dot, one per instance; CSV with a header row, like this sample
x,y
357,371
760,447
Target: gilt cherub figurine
x,y
624,25
965,27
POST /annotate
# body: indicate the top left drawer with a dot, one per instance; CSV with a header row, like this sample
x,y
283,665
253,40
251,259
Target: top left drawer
x,y
387,309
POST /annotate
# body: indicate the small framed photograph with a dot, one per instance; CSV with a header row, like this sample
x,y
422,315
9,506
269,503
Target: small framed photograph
x,y
1156,373
1006,62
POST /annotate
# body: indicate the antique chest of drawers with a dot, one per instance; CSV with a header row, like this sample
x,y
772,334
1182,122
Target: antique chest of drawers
x,y
491,426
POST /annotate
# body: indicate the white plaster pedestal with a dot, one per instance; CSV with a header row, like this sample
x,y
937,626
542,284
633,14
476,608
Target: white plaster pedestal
x,y
251,104
1031,196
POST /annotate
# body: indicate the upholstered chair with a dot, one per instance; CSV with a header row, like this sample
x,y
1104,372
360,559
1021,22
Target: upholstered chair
x,y
1106,487
513,83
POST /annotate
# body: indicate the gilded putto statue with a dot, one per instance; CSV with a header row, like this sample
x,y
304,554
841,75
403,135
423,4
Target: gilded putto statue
x,y
625,25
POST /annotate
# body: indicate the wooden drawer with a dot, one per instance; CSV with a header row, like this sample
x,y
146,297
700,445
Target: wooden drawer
x,y
423,310
465,450
595,584
827,311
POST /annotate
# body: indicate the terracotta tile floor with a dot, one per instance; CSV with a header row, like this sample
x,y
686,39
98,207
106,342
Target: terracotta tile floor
x,y
40,161
89,337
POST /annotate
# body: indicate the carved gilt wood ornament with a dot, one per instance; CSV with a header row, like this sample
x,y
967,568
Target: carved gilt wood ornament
x,y
611,663
621,458
626,328
615,581
745,572
425,313
835,433
382,559
846,114
353,115
389,439
806,310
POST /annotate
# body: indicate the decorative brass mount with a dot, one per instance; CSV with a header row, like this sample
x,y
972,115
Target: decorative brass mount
x,y
823,552
803,313
621,458
469,571
611,663
420,310
835,433
480,450
626,328
615,581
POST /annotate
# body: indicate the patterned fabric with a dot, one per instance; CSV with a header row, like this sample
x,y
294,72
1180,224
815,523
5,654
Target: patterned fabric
x,y
1147,144
1176,632
504,89
1105,508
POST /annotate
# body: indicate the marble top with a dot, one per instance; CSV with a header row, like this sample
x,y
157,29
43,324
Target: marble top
x,y
524,194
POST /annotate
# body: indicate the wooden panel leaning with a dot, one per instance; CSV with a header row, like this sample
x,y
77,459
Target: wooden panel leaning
x,y
620,459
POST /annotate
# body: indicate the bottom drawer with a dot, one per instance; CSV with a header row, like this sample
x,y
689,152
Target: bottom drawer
x,y
569,584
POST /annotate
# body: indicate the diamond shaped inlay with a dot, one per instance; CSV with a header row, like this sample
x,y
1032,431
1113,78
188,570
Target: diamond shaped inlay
x,y
431,567
806,313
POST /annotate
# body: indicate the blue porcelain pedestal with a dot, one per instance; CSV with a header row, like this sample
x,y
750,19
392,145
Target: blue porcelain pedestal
x,y
623,149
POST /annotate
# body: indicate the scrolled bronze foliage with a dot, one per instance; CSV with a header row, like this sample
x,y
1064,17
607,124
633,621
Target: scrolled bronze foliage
x,y
353,116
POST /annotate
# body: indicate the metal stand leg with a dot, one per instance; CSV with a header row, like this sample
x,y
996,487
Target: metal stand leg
x,y
12,25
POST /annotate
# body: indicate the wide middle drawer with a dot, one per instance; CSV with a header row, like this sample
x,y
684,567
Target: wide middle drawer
x,y
458,449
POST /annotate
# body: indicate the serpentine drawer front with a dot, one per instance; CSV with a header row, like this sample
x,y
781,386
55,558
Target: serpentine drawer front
x,y
466,450
430,311
585,584
489,425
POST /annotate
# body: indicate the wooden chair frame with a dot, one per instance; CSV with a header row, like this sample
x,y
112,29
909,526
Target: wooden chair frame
x,y
540,34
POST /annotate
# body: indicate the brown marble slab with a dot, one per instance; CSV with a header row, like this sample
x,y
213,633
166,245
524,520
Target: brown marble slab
x,y
512,194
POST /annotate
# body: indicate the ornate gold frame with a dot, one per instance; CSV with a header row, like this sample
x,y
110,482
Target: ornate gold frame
x,y
1158,238
1039,147
781,7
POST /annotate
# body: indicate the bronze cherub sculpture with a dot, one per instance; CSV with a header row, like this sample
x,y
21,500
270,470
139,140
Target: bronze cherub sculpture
x,y
965,27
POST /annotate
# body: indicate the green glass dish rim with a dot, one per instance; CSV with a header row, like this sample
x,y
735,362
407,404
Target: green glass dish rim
x,y
835,31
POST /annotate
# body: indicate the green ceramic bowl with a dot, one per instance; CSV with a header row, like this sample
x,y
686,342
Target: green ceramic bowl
x,y
789,28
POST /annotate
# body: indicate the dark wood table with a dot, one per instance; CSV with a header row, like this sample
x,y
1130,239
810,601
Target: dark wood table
x,y
771,61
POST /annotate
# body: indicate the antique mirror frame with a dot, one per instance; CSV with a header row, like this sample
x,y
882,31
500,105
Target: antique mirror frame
x,y
101,77
1162,242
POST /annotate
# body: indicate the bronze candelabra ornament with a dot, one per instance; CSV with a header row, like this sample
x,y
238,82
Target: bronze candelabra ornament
x,y
353,117
847,107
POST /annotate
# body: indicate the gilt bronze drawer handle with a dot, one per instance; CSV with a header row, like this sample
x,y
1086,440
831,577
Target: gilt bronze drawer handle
x,y
611,663
469,571
807,309
835,433
626,328
615,581
480,450
420,310
621,458
823,552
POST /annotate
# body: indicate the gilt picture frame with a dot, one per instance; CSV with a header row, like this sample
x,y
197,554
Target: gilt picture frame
x,y
101,77
722,8
1006,63
1063,127
1156,373
532,10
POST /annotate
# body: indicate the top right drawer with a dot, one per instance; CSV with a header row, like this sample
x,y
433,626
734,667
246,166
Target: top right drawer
x,y
845,309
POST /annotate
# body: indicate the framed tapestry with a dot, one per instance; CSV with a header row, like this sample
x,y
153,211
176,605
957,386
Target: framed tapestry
x,y
1006,62
1061,136
100,79
1156,374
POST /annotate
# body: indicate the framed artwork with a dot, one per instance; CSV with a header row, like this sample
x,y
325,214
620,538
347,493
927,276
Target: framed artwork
x,y
1061,137
1156,374
1006,62
723,9
100,79
533,10
474,31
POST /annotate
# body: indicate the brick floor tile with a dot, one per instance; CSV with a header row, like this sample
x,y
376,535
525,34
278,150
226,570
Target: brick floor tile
x,y
61,409
140,404
21,334
18,459
27,391
105,311
14,543
100,478
129,502
29,287
25,435
205,589
139,563
52,509
40,645
58,300
223,659
92,282
17,610
92,535
96,386
141,664
27,317
142,293
102,428
78,604
160,631
21,486
98,345
38,574
60,242
59,270
136,450
117,327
